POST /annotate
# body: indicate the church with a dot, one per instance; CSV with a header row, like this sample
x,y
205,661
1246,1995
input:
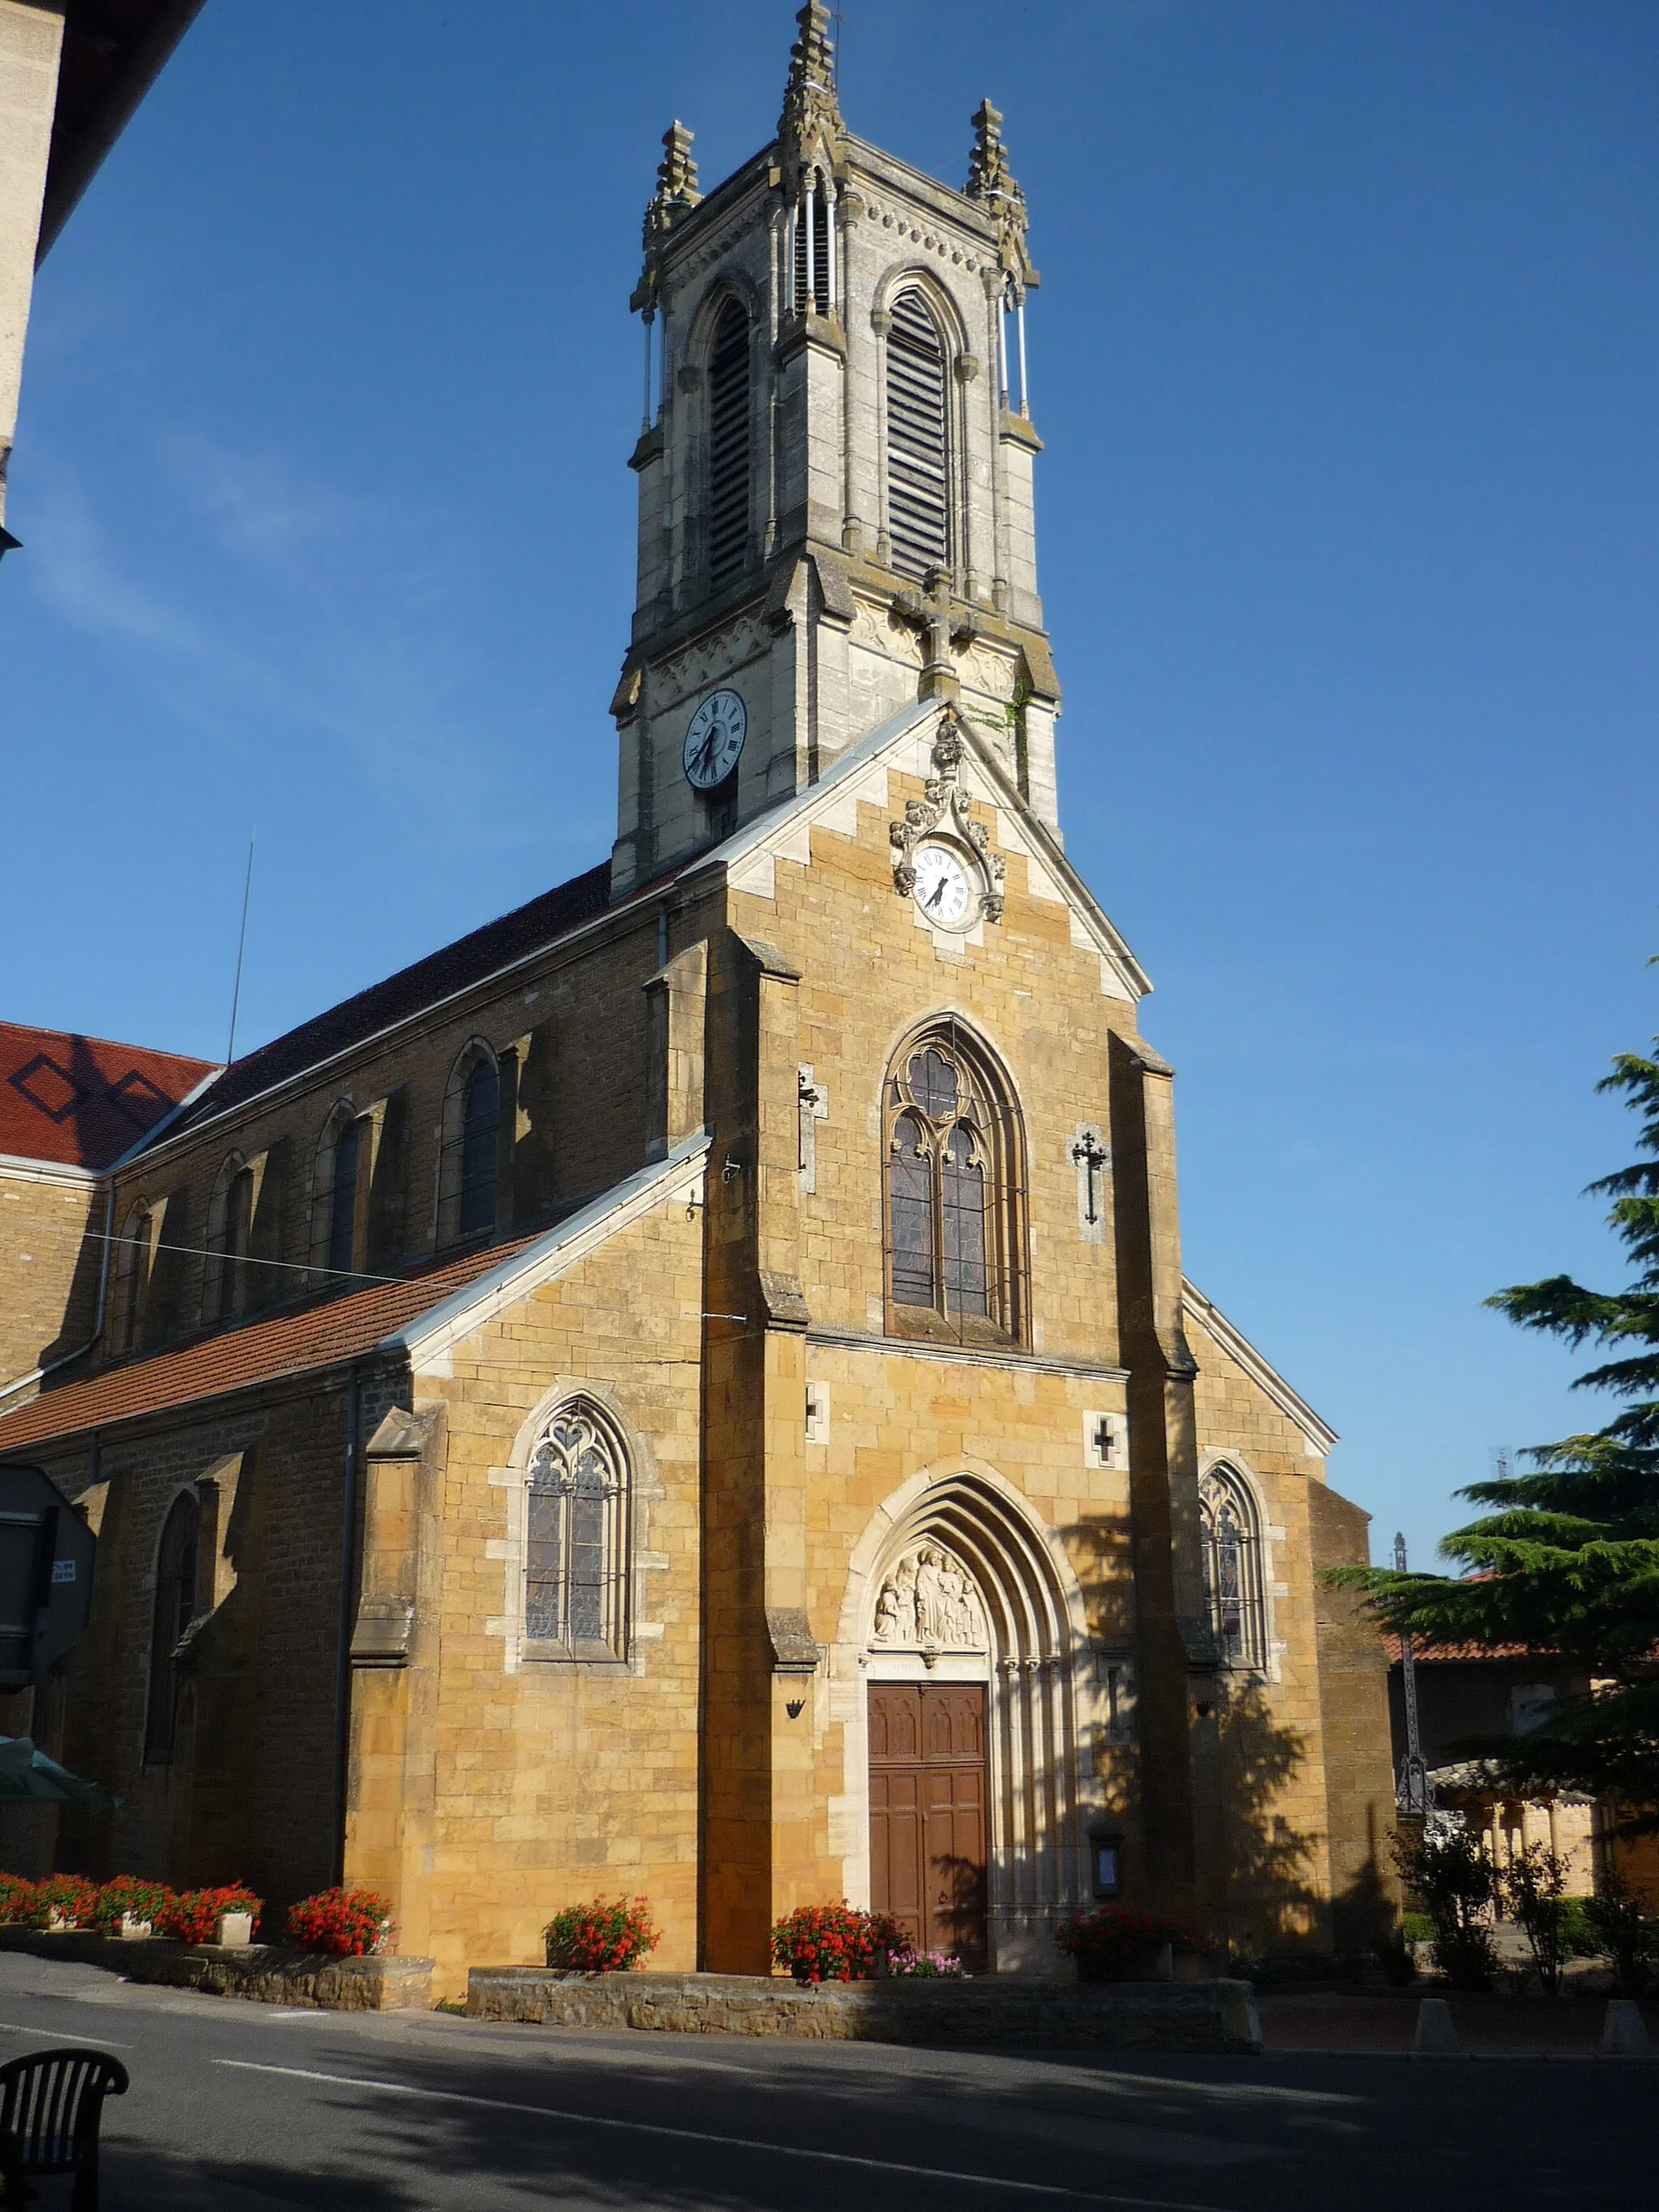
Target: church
x,y
690,1390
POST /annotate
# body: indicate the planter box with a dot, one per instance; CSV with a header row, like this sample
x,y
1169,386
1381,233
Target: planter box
x,y
991,2009
1155,1964
260,1972
234,1931
134,1931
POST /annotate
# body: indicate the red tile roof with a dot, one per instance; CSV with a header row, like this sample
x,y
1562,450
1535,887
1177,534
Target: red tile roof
x,y
82,1102
1430,1655
290,1343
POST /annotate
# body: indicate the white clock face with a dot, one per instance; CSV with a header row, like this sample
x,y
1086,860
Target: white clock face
x,y
714,740
944,891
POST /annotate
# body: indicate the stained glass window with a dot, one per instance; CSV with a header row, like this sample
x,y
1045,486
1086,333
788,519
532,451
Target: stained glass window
x,y
576,1536
953,1192
1232,1569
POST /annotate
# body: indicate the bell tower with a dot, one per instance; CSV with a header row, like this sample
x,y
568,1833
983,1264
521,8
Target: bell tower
x,y
835,473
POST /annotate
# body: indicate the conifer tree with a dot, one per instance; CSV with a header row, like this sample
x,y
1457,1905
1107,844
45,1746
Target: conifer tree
x,y
1567,1558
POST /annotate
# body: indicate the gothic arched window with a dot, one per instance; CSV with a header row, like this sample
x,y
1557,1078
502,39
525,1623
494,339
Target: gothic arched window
x,y
468,1163
175,1608
131,1286
1233,1580
230,1232
918,438
576,1535
335,1182
955,1192
728,444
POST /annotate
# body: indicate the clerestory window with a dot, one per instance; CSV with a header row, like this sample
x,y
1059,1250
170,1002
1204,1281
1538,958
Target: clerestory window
x,y
1233,1579
955,1192
576,1548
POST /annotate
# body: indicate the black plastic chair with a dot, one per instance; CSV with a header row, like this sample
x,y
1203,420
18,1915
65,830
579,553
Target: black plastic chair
x,y
51,2102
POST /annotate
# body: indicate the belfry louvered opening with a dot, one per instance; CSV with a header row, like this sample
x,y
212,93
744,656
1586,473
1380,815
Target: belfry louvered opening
x,y
728,446
918,442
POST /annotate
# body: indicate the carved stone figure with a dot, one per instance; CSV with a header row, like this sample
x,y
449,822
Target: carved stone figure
x,y
929,1603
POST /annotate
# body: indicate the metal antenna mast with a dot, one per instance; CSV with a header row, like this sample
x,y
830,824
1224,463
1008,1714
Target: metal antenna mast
x,y
241,946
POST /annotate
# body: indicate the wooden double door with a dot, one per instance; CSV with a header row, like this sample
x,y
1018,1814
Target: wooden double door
x,y
928,1812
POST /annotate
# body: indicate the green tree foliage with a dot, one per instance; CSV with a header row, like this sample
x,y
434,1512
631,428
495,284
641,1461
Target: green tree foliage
x,y
1567,1558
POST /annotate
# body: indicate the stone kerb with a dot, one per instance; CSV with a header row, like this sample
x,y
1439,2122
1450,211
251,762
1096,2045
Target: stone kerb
x,y
1213,2015
264,1973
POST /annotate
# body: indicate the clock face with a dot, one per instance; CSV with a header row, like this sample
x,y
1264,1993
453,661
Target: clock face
x,y
714,740
944,890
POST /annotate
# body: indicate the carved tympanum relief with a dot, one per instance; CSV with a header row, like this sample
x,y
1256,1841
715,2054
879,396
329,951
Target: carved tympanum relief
x,y
928,1603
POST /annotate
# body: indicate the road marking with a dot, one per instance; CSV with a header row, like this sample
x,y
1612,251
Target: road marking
x,y
99,2042
722,2142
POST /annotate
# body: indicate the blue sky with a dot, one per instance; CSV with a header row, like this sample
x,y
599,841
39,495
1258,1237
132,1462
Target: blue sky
x,y
1343,358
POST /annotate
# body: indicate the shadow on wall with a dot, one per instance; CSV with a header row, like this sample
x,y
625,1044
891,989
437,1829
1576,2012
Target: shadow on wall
x,y
1266,1901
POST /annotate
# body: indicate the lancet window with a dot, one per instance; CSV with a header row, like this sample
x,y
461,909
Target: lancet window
x,y
1233,1577
175,1608
576,1536
230,1232
468,1163
955,1207
918,438
132,1288
728,444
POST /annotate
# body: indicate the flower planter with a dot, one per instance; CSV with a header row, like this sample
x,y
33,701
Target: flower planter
x,y
234,1931
135,1931
1154,1964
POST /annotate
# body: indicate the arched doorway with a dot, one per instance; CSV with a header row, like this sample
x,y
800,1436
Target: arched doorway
x,y
969,1701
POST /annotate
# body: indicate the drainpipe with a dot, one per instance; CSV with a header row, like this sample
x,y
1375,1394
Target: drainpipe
x,y
343,1659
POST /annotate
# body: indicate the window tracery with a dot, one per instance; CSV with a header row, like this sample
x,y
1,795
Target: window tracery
x,y
576,1535
1234,1583
955,1192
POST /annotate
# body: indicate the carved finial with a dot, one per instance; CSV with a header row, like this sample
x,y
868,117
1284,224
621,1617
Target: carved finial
x,y
991,181
676,195
810,124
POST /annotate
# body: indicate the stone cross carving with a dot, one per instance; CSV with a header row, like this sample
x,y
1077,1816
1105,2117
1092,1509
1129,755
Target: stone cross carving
x,y
1092,1156
946,800
928,1603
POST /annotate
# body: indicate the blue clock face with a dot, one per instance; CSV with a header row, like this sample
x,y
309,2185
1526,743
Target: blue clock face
x,y
714,740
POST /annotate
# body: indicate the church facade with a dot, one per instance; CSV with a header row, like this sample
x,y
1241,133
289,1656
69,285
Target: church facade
x,y
691,1390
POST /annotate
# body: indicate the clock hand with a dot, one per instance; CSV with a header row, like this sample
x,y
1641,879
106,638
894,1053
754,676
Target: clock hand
x,y
700,759
938,893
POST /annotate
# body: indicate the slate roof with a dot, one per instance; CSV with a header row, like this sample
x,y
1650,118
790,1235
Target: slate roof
x,y
469,960
82,1102
324,1334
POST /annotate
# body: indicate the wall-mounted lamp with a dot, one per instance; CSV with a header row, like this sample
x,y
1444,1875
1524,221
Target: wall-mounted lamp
x,y
794,1707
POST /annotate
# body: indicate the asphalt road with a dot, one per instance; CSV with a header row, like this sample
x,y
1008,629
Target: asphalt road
x,y
239,2107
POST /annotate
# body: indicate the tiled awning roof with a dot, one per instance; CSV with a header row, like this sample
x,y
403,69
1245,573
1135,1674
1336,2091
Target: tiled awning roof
x,y
290,1343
